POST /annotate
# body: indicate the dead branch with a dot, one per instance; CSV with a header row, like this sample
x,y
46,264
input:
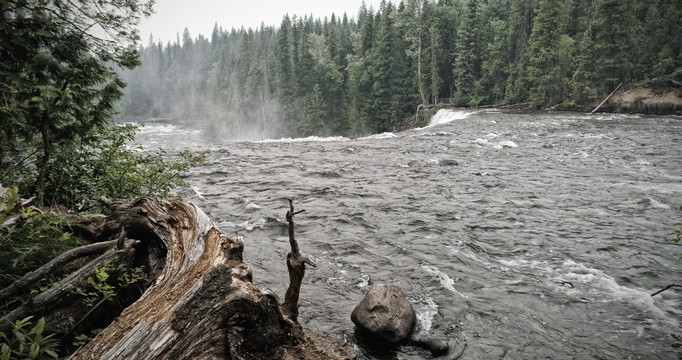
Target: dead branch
x,y
61,260
296,266
58,295
666,288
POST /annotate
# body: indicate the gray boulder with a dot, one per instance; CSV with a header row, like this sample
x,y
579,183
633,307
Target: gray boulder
x,y
385,314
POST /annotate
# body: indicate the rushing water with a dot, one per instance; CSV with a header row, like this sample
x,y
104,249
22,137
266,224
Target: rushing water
x,y
545,241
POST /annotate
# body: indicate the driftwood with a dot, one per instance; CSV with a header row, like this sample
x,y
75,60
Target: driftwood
x,y
58,296
200,302
607,98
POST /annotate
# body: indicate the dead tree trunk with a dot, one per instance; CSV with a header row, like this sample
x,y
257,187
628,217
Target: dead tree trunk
x,y
203,304
296,266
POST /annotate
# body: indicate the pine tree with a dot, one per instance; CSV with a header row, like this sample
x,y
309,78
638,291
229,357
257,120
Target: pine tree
x,y
466,67
520,26
434,53
57,80
285,60
412,24
547,70
606,56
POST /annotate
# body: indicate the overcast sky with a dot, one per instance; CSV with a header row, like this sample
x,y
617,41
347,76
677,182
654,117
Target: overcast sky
x,y
199,16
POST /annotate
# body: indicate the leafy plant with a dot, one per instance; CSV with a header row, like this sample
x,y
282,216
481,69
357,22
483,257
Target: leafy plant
x,y
26,342
108,280
83,339
8,203
109,167
34,242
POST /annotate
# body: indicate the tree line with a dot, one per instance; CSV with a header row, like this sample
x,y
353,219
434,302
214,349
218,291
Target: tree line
x,y
353,76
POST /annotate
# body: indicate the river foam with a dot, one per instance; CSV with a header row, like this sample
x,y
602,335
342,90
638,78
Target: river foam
x,y
444,116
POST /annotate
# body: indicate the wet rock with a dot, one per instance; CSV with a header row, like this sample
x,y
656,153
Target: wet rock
x,y
448,162
437,347
385,314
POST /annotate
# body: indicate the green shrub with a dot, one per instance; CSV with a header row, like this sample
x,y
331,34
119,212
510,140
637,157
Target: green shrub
x,y
108,280
109,167
27,342
32,243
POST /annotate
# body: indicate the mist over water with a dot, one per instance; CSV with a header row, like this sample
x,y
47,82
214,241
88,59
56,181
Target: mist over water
x,y
545,241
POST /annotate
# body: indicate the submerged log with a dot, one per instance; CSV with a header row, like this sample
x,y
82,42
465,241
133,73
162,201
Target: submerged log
x,y
203,304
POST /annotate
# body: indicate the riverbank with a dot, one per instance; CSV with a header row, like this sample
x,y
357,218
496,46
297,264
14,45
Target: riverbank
x,y
646,101
637,100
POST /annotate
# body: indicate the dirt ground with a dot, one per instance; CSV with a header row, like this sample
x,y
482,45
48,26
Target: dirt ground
x,y
646,100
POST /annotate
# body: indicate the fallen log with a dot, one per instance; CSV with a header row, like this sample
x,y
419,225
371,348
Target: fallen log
x,y
203,303
31,278
57,296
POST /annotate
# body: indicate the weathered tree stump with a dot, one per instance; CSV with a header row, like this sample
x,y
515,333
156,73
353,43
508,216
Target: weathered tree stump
x,y
201,303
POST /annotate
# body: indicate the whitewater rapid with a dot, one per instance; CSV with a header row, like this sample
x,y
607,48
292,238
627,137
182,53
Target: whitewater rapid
x,y
522,235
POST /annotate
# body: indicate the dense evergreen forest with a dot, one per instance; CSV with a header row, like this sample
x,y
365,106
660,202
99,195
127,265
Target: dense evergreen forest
x,y
352,76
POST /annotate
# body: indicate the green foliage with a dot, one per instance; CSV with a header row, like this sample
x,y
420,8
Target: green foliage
x,y
678,232
57,80
26,342
106,166
108,280
34,242
374,71
8,203
467,65
548,56
83,339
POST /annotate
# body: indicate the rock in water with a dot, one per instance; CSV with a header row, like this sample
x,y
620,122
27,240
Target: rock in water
x,y
448,162
386,314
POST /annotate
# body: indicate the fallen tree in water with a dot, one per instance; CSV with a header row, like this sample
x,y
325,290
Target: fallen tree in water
x,y
199,300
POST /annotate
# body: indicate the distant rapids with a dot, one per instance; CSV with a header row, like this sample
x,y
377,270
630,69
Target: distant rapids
x,y
521,235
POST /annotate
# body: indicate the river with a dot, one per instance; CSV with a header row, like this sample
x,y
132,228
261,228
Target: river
x,y
544,240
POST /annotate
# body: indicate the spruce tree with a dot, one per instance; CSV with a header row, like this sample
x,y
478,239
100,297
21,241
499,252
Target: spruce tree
x,y
606,53
466,67
546,71
57,80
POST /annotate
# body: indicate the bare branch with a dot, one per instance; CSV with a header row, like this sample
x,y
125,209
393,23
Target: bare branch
x,y
666,288
61,260
296,266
